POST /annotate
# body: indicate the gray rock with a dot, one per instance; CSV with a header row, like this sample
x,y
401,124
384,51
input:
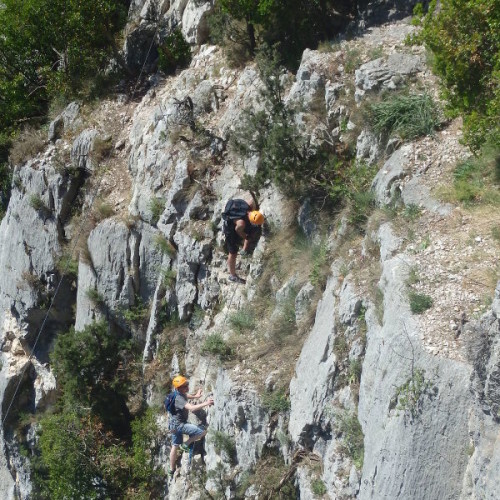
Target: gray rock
x,y
368,147
66,120
385,184
194,21
82,148
303,302
385,73
349,303
416,193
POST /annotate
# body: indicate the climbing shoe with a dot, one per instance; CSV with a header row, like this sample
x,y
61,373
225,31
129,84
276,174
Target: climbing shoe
x,y
236,279
170,473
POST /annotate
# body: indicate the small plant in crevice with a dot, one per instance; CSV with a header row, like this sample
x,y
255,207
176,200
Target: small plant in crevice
x,y
67,265
39,205
103,211
409,396
419,302
165,246
413,276
95,297
379,305
215,345
411,212
136,313
156,207
276,401
242,320
318,487
351,436
224,444
168,277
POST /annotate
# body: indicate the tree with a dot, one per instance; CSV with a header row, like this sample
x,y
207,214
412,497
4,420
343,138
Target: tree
x,y
464,37
48,47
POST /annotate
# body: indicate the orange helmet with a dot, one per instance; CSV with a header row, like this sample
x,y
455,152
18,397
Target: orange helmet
x,y
256,217
179,381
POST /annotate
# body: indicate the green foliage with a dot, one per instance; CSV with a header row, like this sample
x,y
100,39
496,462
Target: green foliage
x,y
67,265
408,397
5,183
242,320
287,158
168,277
352,60
38,61
464,37
276,401
476,179
137,313
352,439
409,116
65,470
94,296
291,24
319,267
412,212
215,345
38,204
419,302
85,363
156,207
104,211
318,487
174,52
413,276
224,444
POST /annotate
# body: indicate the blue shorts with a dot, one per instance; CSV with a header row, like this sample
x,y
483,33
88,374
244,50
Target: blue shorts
x,y
190,429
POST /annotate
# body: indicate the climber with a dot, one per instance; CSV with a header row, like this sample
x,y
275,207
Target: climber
x,y
242,221
178,415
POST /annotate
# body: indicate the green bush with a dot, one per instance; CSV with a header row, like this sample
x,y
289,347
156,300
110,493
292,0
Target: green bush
x,y
464,37
174,52
419,302
38,62
409,116
476,179
276,401
408,396
242,320
137,313
95,297
318,487
156,207
67,265
214,344
224,444
168,277
352,439
5,183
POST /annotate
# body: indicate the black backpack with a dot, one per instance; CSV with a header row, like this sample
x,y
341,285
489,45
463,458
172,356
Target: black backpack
x,y
235,209
170,403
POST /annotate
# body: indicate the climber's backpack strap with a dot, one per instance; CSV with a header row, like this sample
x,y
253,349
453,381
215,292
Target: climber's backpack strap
x,y
170,403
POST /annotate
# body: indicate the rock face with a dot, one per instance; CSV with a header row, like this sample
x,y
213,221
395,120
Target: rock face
x,y
365,406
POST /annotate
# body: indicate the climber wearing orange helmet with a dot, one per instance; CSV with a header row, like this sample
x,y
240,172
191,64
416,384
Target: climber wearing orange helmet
x,y
242,222
178,407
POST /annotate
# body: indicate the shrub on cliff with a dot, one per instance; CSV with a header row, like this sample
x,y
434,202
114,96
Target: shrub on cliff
x,y
464,37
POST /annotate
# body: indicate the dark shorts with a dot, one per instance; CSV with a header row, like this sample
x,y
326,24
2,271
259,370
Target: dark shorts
x,y
233,241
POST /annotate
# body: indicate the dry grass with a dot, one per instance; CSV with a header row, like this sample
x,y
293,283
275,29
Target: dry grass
x,y
27,145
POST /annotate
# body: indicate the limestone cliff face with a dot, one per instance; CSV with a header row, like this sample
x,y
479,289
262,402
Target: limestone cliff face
x,y
380,402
